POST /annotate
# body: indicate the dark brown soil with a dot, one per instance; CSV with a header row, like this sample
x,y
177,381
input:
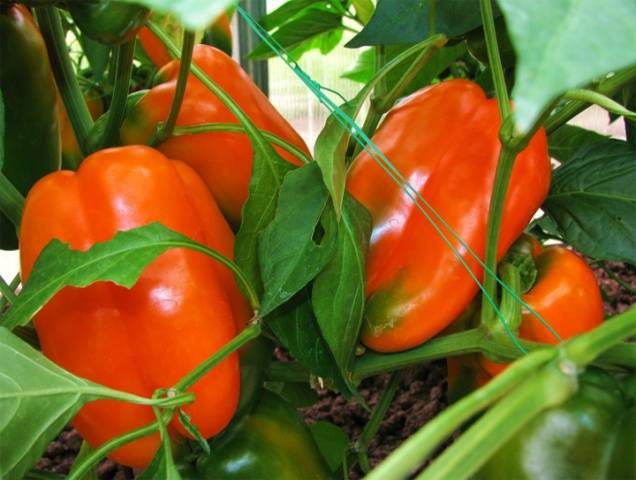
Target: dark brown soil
x,y
422,394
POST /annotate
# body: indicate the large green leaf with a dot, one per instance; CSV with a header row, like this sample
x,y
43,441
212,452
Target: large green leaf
x,y
332,442
406,21
569,139
286,12
564,44
296,329
338,292
304,28
289,253
194,14
593,201
37,399
120,260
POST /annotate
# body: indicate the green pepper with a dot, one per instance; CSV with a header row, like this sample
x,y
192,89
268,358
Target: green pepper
x,y
31,140
592,435
272,442
108,22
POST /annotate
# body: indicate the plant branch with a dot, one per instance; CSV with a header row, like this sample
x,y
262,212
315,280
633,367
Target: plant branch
x,y
499,80
8,291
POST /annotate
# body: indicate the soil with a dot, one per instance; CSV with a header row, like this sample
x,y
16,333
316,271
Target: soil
x,y
421,396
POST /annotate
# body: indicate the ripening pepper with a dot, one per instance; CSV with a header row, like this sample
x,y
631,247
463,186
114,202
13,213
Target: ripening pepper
x,y
565,295
270,442
184,307
31,137
444,140
224,160
591,435
219,34
107,21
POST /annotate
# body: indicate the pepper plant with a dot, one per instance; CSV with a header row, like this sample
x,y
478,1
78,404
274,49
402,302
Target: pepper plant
x,y
193,231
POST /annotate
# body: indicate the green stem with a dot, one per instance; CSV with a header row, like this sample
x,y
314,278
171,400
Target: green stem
x,y
548,387
7,291
498,78
607,87
107,447
373,425
258,141
233,127
412,453
84,451
166,129
237,342
592,97
11,201
584,349
123,62
79,116
40,475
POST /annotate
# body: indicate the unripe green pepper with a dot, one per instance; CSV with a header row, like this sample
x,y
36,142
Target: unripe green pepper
x,y
108,22
592,435
31,140
272,442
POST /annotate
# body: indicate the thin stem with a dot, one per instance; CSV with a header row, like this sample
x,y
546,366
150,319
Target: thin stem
x,y
237,342
166,129
546,388
499,80
373,425
7,291
411,453
592,97
96,455
607,87
79,116
12,285
123,61
584,349
11,201
233,127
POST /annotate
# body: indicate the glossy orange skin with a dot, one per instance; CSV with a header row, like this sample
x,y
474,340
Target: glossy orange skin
x,y
182,309
444,141
153,47
224,160
566,295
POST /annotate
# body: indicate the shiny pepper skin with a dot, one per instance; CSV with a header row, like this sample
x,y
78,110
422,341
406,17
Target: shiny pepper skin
x,y
566,295
184,307
31,137
107,21
224,160
444,141
590,436
270,442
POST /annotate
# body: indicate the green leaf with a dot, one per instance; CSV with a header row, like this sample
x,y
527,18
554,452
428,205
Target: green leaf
x,y
364,9
1,129
162,467
186,421
338,291
289,255
85,451
37,399
298,394
285,13
330,151
120,260
406,21
268,172
593,201
569,139
363,68
296,329
299,30
194,14
565,44
332,442
98,56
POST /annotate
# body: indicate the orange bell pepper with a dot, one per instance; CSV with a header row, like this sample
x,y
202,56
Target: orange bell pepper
x,y
184,307
224,160
445,141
